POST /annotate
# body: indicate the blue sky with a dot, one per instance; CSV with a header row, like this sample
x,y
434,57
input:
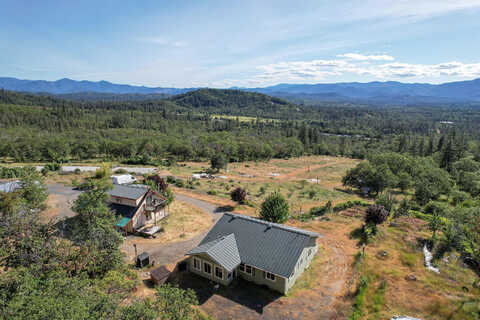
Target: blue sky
x,y
240,43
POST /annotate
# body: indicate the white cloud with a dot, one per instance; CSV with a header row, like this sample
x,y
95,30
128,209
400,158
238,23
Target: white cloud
x,y
319,70
362,57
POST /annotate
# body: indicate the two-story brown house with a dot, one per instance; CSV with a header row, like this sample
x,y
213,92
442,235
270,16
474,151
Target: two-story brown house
x,y
136,206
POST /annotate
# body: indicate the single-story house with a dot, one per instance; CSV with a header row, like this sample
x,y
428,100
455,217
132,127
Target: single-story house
x,y
136,206
265,253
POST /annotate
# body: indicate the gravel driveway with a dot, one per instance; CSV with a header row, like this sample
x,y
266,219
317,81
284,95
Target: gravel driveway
x,y
174,251
60,199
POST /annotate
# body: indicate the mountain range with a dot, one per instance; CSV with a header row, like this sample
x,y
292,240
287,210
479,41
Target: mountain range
x,y
390,92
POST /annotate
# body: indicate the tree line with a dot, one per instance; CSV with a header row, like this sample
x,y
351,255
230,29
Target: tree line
x,y
191,127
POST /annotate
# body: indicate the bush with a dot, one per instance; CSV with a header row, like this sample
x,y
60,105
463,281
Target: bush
x,y
212,192
408,259
320,211
16,172
238,195
179,183
386,200
77,171
349,204
376,215
171,179
121,171
459,197
275,209
53,166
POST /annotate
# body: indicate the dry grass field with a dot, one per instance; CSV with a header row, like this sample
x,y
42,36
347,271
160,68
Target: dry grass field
x,y
305,182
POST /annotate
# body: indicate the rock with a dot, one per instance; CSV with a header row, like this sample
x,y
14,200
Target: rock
x,y
411,277
382,254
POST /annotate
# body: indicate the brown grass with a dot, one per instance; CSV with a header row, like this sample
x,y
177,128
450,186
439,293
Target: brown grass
x,y
183,223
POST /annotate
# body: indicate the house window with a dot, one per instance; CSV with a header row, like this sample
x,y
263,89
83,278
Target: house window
x,y
269,276
197,264
248,269
207,267
218,272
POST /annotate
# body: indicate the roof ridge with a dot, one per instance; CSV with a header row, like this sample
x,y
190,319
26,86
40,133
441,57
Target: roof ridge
x,y
272,224
221,239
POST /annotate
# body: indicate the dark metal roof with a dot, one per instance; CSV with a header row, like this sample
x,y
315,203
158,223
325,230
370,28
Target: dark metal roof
x,y
131,191
160,273
121,210
223,250
268,246
10,186
143,256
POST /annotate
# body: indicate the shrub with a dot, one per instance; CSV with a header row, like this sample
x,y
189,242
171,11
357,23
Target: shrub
x,y
218,161
403,209
275,208
386,200
376,215
238,195
320,211
53,166
121,171
171,179
408,259
459,197
212,192
349,204
16,172
179,183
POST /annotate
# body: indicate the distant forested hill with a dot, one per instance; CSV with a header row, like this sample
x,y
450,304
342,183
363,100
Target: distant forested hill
x,y
65,86
219,100
386,93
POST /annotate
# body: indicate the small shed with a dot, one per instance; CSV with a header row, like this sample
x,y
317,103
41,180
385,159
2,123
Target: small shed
x,y
143,260
159,275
